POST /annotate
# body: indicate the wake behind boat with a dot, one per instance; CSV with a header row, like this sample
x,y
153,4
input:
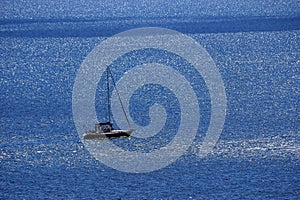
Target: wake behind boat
x,y
105,130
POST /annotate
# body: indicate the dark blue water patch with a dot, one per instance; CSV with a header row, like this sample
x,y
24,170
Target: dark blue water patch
x,y
140,103
99,28
148,95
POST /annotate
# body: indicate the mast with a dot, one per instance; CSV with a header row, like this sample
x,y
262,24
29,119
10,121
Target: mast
x,y
108,97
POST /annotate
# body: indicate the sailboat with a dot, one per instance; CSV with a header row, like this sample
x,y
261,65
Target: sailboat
x,y
105,130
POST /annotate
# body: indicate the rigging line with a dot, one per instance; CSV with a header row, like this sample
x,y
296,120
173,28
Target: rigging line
x,y
108,97
119,96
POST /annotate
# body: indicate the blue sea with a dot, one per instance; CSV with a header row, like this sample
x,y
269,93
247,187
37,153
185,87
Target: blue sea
x,y
255,48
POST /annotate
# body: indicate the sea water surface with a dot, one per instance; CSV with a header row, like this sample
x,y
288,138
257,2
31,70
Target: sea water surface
x,y
43,45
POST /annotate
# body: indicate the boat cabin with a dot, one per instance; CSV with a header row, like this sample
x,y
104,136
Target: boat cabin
x,y
103,127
